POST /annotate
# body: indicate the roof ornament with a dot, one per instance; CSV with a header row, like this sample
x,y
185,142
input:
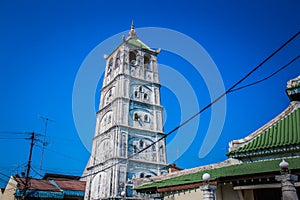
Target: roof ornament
x,y
293,82
132,34
293,89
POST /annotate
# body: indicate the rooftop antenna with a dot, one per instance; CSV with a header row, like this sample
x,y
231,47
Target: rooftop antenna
x,y
46,120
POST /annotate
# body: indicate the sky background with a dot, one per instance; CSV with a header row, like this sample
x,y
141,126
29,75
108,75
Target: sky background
x,y
43,44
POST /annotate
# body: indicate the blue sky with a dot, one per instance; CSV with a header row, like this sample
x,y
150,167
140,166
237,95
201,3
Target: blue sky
x,y
44,43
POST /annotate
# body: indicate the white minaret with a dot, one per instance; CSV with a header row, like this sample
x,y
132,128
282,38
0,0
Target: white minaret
x,y
129,119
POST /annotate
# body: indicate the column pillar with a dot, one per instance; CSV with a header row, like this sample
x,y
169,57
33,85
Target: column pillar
x,y
208,190
287,182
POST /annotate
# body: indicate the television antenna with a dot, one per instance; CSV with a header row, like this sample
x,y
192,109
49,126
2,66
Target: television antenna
x,y
44,143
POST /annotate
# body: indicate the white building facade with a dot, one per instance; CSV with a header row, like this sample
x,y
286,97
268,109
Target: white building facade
x,y
128,121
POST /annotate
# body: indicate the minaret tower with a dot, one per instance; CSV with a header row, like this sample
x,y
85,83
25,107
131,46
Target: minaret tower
x,y
129,119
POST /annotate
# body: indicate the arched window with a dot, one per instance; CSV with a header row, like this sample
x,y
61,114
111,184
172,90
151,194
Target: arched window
x,y
136,116
145,96
136,94
123,145
141,144
110,64
153,147
109,93
118,61
134,148
147,62
108,96
142,175
109,119
132,57
146,118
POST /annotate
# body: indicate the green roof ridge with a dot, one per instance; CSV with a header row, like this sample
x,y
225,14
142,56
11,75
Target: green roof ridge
x,y
231,170
283,133
138,43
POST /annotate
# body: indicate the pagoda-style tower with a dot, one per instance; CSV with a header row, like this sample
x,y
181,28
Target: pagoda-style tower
x,y
129,119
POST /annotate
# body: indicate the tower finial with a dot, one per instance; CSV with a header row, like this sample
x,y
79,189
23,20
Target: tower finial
x,y
132,33
132,25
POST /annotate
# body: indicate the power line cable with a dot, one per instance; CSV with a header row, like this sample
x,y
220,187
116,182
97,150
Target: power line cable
x,y
15,133
36,172
4,175
62,170
206,107
266,78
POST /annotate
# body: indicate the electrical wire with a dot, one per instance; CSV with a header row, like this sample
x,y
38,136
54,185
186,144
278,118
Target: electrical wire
x,y
266,78
62,170
206,107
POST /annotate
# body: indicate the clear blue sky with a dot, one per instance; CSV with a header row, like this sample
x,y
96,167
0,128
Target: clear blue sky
x,y
43,44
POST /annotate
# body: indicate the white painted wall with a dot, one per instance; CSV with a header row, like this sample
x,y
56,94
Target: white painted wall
x,y
188,195
223,192
10,190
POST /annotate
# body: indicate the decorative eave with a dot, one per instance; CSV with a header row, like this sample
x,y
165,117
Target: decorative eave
x,y
141,45
236,144
293,83
263,152
293,89
243,172
146,183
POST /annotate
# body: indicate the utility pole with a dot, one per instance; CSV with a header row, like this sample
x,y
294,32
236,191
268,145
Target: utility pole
x,y
26,186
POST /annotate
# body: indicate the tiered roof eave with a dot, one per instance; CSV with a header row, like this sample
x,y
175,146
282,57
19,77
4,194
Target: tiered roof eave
x,y
278,135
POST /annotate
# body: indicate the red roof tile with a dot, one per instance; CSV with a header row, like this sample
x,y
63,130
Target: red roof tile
x,y
37,184
71,185
49,176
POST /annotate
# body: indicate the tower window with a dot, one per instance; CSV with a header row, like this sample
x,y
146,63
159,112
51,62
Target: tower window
x,y
142,175
141,143
145,96
110,64
141,89
134,148
147,62
146,118
136,116
117,63
153,148
136,94
108,97
132,57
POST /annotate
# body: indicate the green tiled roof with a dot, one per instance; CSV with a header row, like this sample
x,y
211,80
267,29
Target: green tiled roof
x,y
138,43
283,135
232,170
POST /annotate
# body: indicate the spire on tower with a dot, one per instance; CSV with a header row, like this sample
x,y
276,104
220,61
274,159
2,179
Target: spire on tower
x,y
132,34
